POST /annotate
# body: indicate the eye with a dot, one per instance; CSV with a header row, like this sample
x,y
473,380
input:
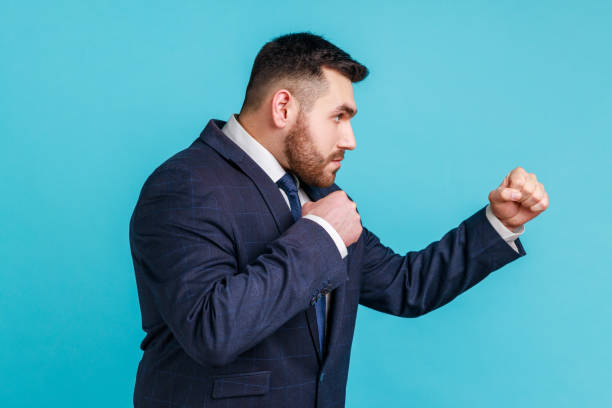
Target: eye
x,y
337,116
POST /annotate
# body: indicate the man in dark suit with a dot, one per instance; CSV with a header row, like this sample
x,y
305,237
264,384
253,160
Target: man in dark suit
x,y
250,262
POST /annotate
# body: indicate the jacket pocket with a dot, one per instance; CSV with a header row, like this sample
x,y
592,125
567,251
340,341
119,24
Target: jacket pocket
x,y
240,385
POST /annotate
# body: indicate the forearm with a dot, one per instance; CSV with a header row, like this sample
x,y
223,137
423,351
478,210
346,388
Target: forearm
x,y
422,281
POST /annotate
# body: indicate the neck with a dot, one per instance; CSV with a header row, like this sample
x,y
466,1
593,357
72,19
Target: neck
x,y
267,136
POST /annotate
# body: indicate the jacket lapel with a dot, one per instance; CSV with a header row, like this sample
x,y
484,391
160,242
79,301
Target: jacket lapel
x,y
215,138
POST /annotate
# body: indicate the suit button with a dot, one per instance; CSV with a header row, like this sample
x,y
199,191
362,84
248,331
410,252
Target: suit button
x,y
321,377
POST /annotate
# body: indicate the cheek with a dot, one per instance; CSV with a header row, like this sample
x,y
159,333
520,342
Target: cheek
x,y
329,138
324,135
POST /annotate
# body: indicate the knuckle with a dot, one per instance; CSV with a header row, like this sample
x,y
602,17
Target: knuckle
x,y
529,188
540,205
538,194
518,180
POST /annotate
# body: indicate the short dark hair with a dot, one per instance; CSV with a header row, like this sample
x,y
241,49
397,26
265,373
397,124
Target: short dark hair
x,y
295,61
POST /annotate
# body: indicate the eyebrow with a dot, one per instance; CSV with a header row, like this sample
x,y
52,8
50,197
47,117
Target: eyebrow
x,y
345,108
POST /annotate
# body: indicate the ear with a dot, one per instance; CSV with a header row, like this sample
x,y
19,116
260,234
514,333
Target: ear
x,y
284,108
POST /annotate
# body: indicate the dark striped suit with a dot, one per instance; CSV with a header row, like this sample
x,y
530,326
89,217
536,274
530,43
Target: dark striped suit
x,y
226,282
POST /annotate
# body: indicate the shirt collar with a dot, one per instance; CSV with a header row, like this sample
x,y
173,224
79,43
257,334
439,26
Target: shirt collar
x,y
260,155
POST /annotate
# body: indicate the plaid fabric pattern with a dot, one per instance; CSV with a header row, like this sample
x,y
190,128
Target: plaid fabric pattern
x,y
225,279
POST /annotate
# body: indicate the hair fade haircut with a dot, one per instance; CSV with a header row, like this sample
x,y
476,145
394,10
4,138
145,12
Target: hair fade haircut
x,y
294,61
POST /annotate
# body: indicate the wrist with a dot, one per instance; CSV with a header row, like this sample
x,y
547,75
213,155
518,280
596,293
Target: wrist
x,y
512,228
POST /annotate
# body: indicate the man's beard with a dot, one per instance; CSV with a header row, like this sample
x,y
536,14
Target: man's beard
x,y
303,158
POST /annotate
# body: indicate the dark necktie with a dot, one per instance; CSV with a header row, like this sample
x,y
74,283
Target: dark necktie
x,y
287,183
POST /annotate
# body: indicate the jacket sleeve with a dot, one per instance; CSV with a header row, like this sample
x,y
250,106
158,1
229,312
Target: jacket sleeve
x,y
185,242
421,281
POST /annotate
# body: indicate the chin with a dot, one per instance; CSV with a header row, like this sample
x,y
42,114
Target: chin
x,y
320,179
326,181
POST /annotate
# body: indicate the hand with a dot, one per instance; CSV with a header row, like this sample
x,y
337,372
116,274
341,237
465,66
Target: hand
x,y
519,198
338,210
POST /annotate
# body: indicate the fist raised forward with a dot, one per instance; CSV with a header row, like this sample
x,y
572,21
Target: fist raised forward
x,y
518,199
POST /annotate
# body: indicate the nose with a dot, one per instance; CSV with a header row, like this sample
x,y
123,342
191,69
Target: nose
x,y
348,138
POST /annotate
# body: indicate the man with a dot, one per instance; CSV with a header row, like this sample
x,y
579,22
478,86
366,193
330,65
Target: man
x,y
250,262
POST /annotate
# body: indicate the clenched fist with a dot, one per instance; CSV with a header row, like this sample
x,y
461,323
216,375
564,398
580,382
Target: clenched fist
x,y
519,198
338,210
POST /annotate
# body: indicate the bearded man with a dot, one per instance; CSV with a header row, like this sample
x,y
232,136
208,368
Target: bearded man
x,y
250,262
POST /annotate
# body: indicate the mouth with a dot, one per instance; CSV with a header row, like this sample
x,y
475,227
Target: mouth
x,y
336,160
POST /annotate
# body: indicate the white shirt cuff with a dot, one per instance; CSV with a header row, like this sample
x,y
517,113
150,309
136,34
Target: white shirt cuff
x,y
331,231
502,230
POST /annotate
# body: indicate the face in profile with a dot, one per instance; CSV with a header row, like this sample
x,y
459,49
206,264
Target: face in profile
x,y
316,144
304,159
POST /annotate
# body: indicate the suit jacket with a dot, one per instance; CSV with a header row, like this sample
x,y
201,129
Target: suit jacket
x,y
227,282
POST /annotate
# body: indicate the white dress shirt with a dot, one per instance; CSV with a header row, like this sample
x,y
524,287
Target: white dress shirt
x,y
266,160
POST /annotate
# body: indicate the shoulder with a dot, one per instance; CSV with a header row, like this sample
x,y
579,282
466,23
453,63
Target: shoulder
x,y
197,159
198,164
192,175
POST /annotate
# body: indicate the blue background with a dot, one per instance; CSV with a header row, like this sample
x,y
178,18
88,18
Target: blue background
x,y
94,95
